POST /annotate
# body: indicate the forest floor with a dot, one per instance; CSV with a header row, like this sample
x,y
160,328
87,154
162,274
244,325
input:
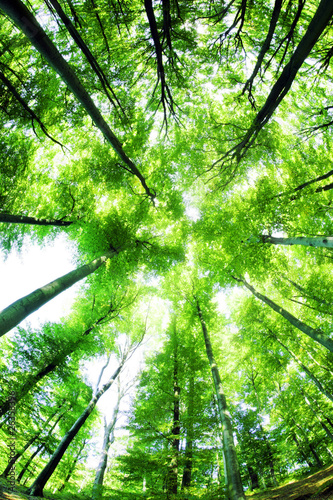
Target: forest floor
x,y
317,486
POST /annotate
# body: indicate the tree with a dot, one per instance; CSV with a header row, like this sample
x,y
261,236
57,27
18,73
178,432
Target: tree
x,y
192,142
234,482
38,485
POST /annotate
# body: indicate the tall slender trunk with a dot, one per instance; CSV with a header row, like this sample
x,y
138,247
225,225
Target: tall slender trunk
x,y
18,455
187,473
315,334
27,23
37,487
281,87
319,385
19,310
24,219
172,475
107,442
316,241
235,487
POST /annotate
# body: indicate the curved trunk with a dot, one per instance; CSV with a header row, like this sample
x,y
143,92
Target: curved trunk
x,y
235,487
19,310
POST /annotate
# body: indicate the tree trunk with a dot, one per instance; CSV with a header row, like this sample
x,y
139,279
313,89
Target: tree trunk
x,y
310,445
306,294
24,219
27,23
172,475
315,334
27,464
36,489
281,87
187,473
19,310
235,487
316,241
107,442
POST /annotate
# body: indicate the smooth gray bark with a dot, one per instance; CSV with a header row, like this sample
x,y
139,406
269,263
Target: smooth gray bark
x,y
235,487
107,442
187,472
27,23
316,241
19,310
316,334
36,489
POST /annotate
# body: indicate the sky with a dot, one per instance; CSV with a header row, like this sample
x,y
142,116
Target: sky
x,y
22,272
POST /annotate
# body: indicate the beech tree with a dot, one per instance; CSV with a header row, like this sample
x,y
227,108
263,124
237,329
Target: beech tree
x,y
183,150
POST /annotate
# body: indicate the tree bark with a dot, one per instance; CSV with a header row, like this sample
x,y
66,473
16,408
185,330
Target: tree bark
x,y
19,310
187,473
317,25
27,23
36,489
235,487
315,334
107,442
324,241
172,475
24,219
